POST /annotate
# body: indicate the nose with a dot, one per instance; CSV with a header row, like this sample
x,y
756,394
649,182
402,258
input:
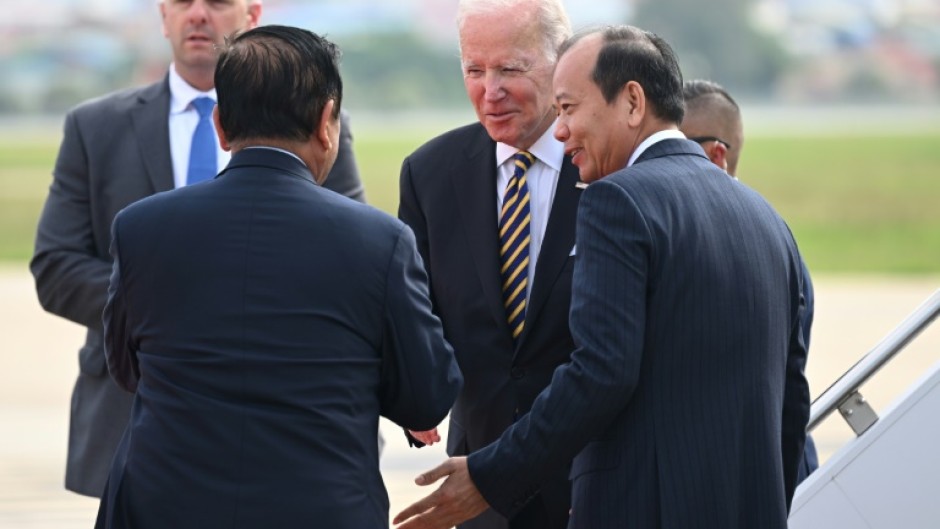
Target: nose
x,y
198,12
561,131
493,86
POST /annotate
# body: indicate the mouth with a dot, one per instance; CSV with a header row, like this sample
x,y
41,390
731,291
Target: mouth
x,y
199,38
500,116
573,153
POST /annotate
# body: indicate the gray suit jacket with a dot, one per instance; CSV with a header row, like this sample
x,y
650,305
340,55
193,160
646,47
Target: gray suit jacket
x,y
685,402
115,150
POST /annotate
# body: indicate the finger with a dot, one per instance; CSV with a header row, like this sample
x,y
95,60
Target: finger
x,y
416,508
444,469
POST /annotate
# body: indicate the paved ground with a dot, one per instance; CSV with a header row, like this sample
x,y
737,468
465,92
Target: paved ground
x,y
39,361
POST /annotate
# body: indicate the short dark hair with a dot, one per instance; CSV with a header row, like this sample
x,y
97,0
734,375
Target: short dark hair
x,y
697,88
272,82
629,54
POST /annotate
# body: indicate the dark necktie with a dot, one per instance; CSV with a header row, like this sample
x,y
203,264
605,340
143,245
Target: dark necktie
x,y
202,151
514,239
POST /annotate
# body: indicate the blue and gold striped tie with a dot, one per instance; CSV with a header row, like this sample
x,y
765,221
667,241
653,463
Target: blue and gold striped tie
x,y
514,239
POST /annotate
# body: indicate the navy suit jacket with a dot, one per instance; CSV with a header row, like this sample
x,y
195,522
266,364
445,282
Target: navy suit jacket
x,y
115,150
448,196
685,402
265,323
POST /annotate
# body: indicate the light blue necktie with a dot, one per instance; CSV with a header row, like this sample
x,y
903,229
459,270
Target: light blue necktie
x,y
202,152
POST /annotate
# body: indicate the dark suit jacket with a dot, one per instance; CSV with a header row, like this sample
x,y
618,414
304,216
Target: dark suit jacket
x,y
115,150
448,197
265,324
685,401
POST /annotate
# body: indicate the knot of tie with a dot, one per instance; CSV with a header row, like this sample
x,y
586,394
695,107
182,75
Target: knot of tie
x,y
524,160
203,106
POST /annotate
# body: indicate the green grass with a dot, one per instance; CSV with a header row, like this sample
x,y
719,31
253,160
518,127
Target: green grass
x,y
855,204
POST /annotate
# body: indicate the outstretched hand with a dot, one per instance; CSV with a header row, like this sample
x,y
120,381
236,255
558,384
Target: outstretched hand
x,y
455,501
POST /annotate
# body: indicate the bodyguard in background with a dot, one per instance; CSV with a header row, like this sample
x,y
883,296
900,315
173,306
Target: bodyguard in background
x,y
118,149
266,323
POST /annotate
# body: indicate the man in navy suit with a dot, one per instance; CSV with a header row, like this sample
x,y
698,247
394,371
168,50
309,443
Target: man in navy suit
x,y
117,149
265,322
453,190
713,120
685,404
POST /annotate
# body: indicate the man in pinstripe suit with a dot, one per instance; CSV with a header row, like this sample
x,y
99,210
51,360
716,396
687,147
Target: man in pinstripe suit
x,y
685,404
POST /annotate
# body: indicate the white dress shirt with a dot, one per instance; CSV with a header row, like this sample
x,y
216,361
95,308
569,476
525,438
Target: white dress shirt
x,y
656,137
542,179
183,119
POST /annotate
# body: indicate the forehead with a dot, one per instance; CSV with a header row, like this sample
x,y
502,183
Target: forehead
x,y
576,66
495,38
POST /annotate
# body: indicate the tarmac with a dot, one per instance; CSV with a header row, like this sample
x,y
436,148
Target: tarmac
x,y
39,362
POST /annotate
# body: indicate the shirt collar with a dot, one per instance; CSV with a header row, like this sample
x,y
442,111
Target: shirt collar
x,y
547,149
655,138
183,93
278,150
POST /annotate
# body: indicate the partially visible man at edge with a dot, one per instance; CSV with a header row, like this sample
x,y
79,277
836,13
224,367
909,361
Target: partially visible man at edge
x,y
493,207
685,403
713,120
116,150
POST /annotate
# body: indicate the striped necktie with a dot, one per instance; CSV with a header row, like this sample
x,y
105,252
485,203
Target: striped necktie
x,y
514,238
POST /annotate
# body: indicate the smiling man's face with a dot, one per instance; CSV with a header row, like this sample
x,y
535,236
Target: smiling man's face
x,y
507,76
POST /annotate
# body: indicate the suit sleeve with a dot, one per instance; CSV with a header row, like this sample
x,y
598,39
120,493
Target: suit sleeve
x,y
607,322
420,378
119,350
796,403
71,278
344,177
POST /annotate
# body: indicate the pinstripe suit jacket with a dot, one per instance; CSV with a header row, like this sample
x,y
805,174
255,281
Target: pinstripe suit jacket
x,y
685,402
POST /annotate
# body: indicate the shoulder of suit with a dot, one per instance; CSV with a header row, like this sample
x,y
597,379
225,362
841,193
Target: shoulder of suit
x,y
451,140
120,101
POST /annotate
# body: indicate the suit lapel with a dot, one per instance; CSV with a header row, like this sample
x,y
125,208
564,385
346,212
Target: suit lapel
x,y
150,119
557,243
475,188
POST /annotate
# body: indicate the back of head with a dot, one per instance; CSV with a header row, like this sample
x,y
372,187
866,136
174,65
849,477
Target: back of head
x,y
629,54
552,20
273,82
711,113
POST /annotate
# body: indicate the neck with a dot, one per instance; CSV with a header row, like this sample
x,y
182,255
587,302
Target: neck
x,y
199,78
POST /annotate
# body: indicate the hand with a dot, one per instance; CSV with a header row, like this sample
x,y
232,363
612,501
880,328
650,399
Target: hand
x,y
428,437
455,501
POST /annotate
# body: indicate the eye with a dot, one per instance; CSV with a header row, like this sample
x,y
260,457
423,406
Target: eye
x,y
473,72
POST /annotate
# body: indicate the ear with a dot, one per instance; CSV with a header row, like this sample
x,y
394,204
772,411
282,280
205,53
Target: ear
x,y
718,154
634,99
223,141
324,133
254,14
166,34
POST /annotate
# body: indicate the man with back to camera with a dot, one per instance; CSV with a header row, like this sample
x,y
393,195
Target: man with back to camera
x,y
713,120
265,323
492,205
685,403
115,150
